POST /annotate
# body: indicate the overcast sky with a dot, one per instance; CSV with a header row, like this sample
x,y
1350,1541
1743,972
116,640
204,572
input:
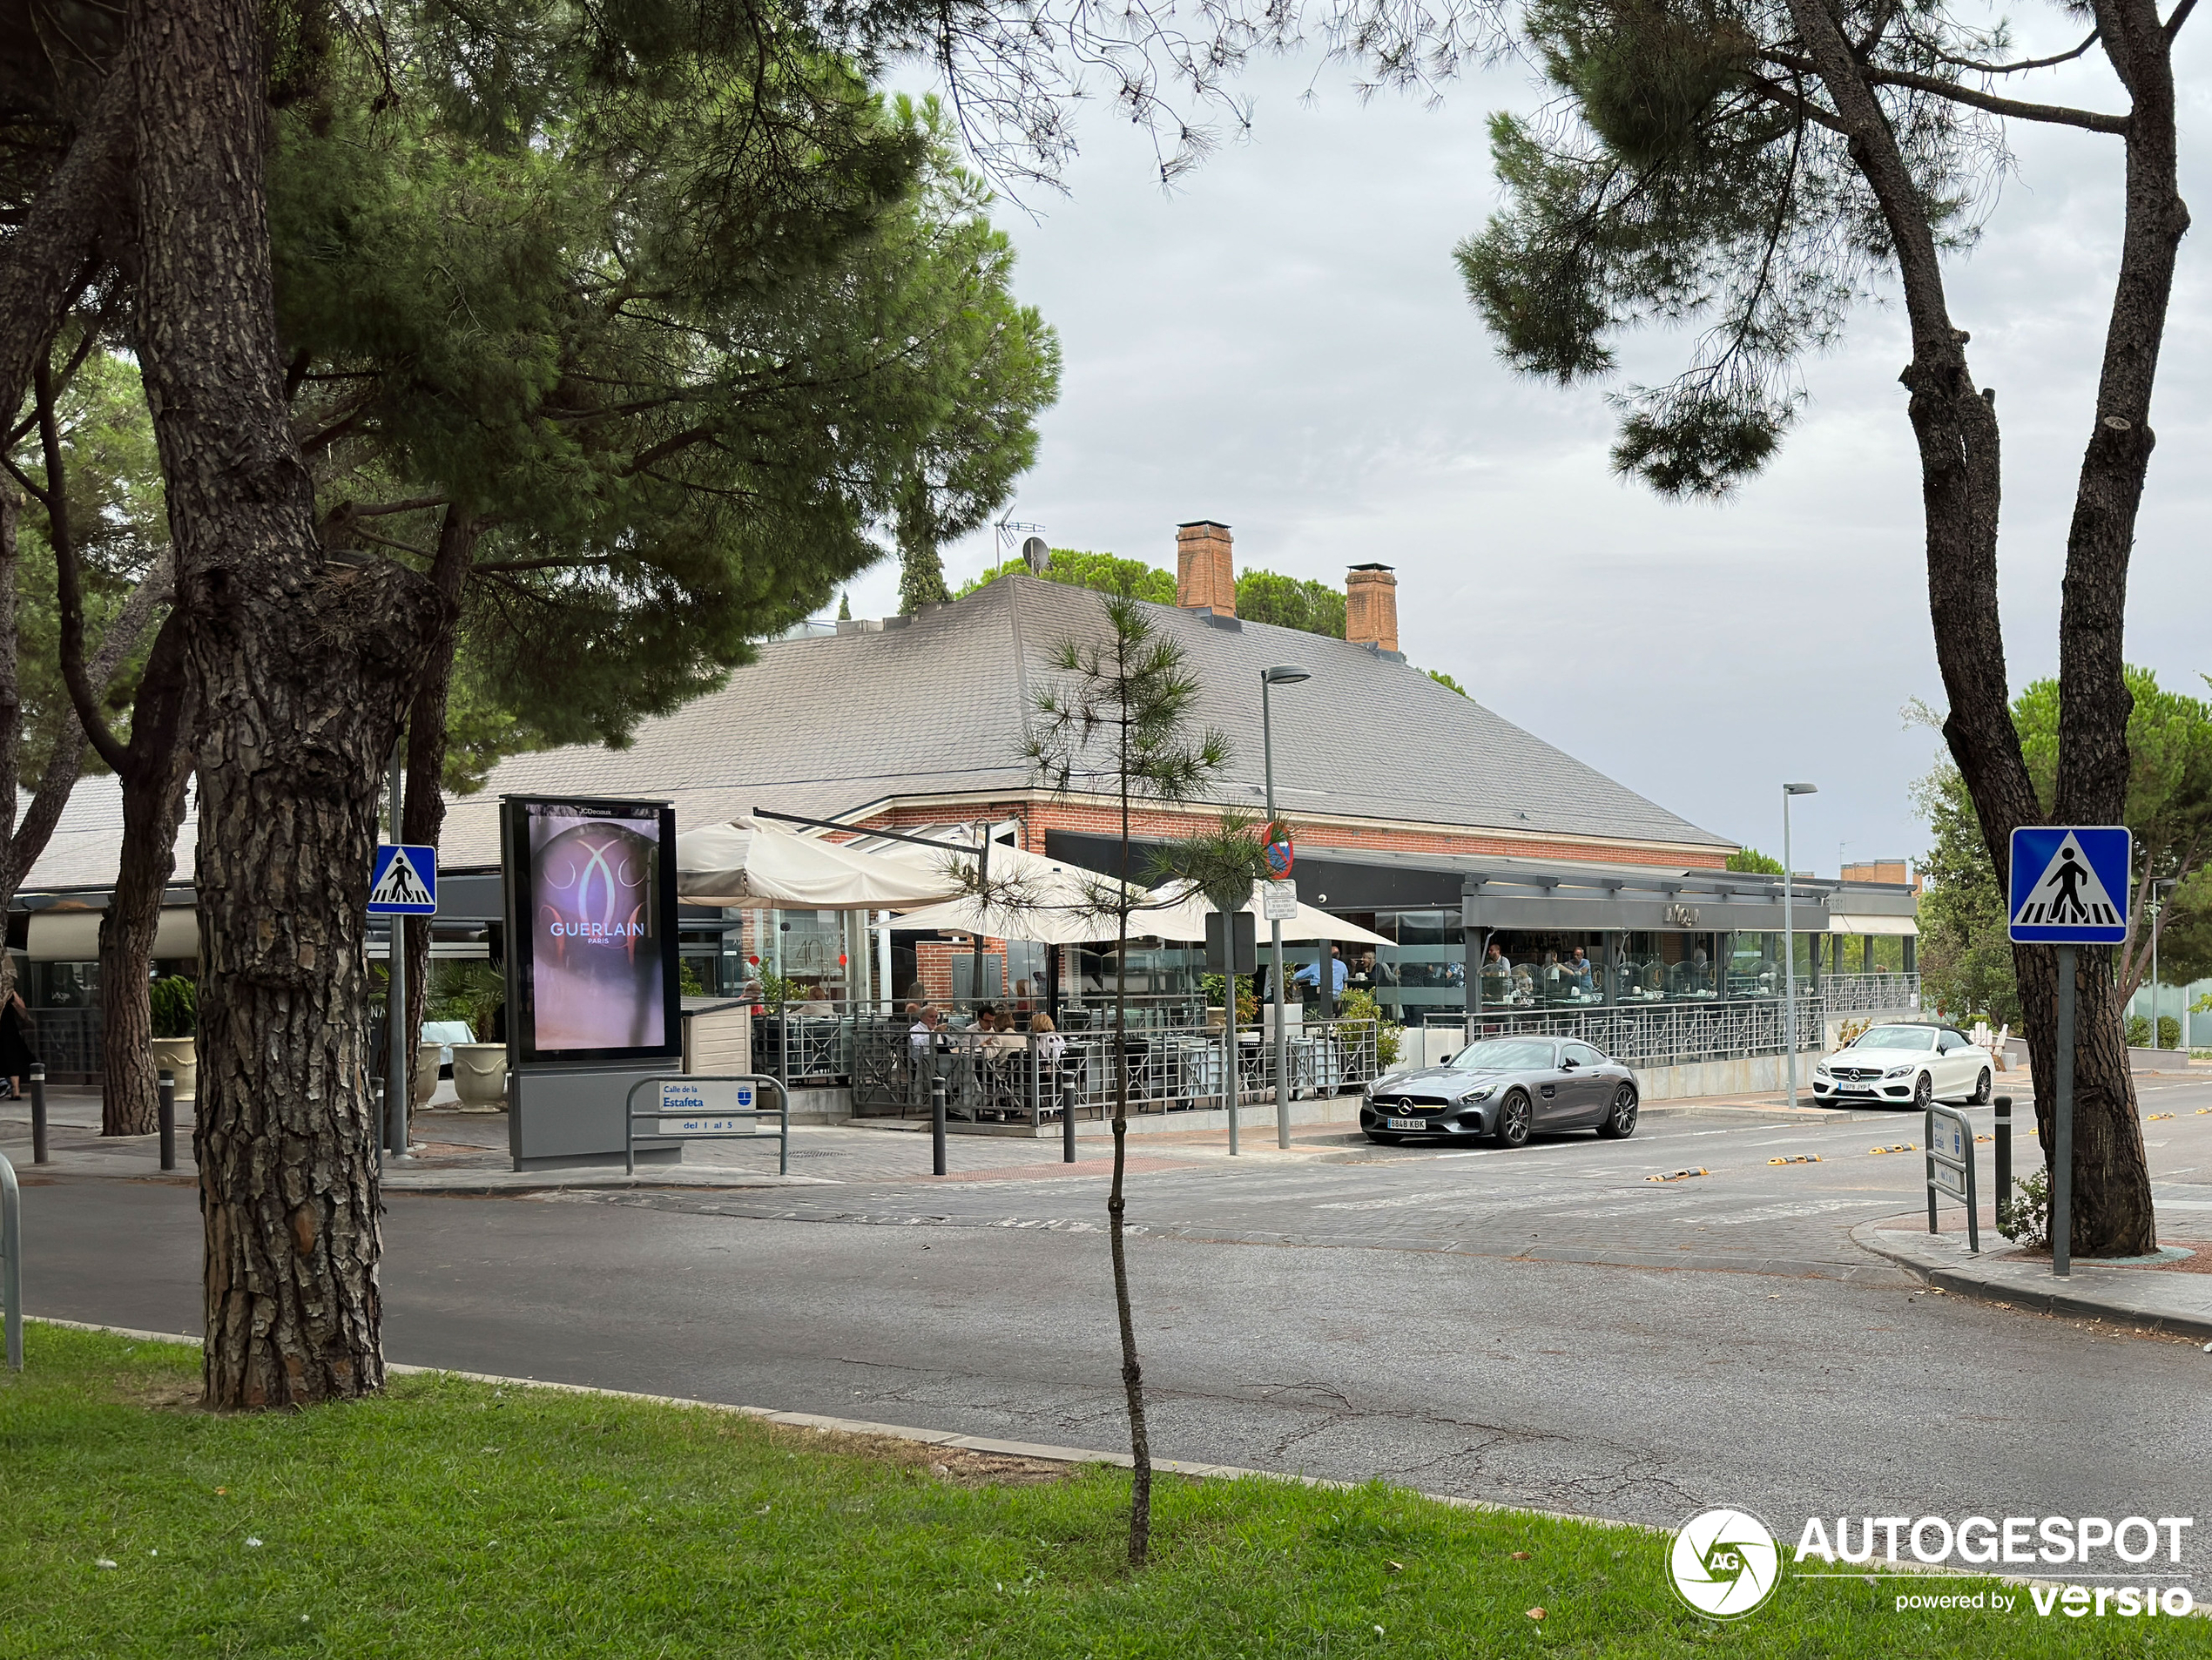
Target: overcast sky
x,y
1284,345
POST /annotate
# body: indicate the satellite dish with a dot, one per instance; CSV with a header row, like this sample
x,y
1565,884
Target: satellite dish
x,y
1035,554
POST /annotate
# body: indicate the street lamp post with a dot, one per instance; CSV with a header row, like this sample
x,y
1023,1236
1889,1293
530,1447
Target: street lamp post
x,y
1283,675
2156,906
1790,939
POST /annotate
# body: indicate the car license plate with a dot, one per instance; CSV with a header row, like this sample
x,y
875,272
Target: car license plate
x,y
1855,1089
1406,1124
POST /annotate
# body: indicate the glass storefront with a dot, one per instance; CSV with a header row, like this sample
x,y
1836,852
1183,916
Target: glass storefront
x,y
1423,971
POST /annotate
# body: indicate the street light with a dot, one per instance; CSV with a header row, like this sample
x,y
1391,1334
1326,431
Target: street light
x,y
1790,939
2156,906
1286,674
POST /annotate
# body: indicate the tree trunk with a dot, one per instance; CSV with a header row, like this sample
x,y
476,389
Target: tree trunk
x,y
157,767
1140,1438
423,813
1956,427
299,671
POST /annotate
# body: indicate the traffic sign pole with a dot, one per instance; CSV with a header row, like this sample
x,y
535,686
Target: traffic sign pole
x,y
399,1076
2068,886
2062,1114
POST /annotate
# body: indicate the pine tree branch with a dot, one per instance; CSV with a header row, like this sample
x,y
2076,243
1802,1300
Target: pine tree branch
x,y
68,580
2050,114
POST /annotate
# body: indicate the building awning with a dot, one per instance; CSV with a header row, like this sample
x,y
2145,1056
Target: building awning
x,y
751,863
74,936
1857,924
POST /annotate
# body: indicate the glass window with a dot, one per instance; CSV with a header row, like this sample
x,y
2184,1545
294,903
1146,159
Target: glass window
x,y
1583,1055
1904,1037
1423,971
1755,965
1504,1054
1528,969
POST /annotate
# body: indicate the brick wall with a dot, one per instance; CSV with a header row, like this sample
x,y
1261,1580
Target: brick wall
x,y
1100,820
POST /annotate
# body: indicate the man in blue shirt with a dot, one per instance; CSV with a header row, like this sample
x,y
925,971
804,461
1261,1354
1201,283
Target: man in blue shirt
x,y
1310,975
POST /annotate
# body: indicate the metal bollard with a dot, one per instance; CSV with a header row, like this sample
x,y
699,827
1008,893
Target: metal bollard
x,y
39,1114
11,1262
1067,1121
2004,1105
168,1120
936,1126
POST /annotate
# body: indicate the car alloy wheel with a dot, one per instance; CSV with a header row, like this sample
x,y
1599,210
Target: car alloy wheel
x,y
1924,1093
1513,1121
1981,1090
1621,1122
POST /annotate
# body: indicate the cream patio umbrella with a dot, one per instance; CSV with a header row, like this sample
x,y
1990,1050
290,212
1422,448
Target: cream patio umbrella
x,y
1036,899
755,865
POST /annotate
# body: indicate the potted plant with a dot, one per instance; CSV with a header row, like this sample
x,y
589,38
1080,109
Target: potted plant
x,y
174,1007
476,993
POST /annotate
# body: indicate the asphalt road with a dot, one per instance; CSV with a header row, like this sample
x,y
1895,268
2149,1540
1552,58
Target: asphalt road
x,y
1547,1326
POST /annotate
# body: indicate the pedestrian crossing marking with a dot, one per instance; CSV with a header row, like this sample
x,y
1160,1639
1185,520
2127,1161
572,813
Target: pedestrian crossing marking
x,y
2069,893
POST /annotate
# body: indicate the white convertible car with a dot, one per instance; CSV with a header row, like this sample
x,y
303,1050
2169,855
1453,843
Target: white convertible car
x,y
1906,1065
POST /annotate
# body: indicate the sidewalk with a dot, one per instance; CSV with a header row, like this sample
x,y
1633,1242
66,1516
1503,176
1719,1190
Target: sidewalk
x,y
459,1152
2171,1295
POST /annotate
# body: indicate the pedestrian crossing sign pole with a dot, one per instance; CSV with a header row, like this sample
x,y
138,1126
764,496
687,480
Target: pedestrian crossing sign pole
x,y
2069,887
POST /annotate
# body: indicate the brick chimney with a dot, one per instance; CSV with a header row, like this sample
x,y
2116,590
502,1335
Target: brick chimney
x,y
1205,574
1370,607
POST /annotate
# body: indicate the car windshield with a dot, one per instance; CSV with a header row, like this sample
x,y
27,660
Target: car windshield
x,y
1503,1054
1898,1037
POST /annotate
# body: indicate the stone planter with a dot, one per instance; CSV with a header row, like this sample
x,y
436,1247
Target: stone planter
x,y
179,1056
479,1075
427,1060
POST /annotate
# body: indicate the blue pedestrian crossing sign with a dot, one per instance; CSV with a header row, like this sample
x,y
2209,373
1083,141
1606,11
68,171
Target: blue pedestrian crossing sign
x,y
406,882
2070,884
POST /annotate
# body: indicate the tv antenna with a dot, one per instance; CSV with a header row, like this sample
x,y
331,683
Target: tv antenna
x,y
1034,553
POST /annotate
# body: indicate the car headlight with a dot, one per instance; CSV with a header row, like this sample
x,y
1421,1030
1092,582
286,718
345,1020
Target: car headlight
x,y
1820,1069
1897,1071
1482,1094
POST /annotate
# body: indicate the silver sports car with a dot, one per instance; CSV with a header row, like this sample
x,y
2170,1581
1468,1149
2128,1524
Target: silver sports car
x,y
1506,1088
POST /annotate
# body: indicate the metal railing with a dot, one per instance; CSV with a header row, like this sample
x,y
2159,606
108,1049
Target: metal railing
x,y
68,1040
1854,993
1012,1079
818,1044
1681,1034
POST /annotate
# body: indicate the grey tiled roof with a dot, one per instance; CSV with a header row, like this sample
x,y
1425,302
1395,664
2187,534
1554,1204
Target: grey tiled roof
x,y
825,725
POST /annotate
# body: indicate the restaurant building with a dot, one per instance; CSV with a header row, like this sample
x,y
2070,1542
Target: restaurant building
x,y
1487,858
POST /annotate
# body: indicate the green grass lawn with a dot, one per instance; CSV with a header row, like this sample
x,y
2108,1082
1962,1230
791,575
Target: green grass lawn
x,y
452,1519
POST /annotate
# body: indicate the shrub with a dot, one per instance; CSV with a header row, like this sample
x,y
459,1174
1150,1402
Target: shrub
x,y
1389,1039
2028,1221
174,1006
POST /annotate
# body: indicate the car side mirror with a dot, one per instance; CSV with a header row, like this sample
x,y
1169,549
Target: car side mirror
x,y
1567,1064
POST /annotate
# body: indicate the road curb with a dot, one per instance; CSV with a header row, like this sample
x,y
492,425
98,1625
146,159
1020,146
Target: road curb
x,y
497,1184
2073,1302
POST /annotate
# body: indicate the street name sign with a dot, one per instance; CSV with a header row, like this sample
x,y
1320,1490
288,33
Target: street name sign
x,y
706,1107
2069,885
405,882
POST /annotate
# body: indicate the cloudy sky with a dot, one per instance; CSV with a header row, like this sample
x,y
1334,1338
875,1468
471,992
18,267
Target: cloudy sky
x,y
1284,345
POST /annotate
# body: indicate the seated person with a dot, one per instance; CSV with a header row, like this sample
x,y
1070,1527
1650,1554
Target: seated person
x,y
1045,1038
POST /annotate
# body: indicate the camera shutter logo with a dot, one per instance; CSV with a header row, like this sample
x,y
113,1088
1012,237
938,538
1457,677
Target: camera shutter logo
x,y
1724,1563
